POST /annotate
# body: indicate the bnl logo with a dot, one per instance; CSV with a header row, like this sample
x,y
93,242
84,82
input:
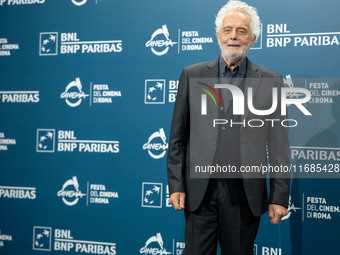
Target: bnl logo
x,y
152,194
267,250
48,44
154,92
45,140
42,238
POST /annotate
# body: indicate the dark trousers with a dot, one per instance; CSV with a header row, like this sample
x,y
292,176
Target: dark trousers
x,y
216,220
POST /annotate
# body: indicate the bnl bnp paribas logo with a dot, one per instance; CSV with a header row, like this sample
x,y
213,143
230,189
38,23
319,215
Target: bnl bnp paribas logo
x,y
156,91
152,195
156,145
71,44
46,239
280,36
264,250
45,140
42,238
21,2
67,142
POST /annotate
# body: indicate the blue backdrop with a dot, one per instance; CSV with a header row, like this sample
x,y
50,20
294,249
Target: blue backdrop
x,y
87,89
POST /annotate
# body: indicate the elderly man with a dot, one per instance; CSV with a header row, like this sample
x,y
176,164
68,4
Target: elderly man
x,y
217,209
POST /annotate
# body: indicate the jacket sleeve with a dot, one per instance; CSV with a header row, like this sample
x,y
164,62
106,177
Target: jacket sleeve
x,y
179,137
279,155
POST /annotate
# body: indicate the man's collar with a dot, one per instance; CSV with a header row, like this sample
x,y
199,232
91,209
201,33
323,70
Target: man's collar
x,y
241,68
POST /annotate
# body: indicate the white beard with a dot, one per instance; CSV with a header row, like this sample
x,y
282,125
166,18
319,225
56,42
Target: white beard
x,y
235,58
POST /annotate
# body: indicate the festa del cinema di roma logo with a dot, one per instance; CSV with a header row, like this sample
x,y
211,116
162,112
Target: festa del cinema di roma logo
x,y
79,2
99,93
70,192
154,245
157,145
157,44
73,93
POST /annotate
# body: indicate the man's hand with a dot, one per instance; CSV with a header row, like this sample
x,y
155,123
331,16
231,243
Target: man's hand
x,y
177,200
276,212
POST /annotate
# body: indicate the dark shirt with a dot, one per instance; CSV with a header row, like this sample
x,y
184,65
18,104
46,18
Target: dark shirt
x,y
229,76
238,72
228,148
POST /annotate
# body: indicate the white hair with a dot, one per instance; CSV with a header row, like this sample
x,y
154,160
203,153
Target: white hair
x,y
235,5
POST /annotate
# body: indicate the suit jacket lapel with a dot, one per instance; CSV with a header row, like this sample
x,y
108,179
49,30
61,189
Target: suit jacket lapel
x,y
211,71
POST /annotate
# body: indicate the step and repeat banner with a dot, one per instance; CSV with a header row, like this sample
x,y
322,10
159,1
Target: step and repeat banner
x,y
87,90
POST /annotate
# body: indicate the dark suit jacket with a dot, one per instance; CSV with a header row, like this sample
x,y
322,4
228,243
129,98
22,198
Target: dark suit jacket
x,y
193,139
